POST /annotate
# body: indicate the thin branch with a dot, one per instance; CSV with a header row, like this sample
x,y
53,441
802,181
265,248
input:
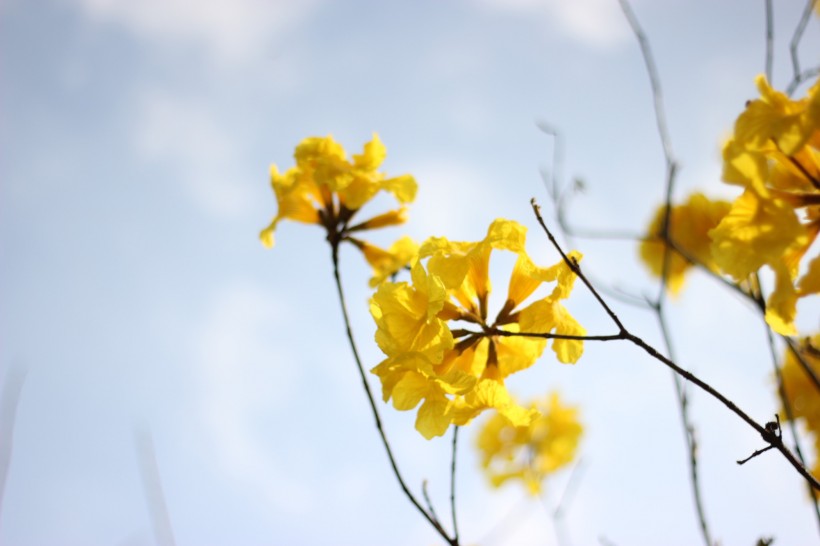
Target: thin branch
x,y
795,44
807,74
787,409
657,95
453,484
564,502
671,172
429,503
432,520
769,39
651,351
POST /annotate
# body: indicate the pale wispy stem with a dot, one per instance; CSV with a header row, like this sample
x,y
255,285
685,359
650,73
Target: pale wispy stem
x,y
374,409
152,485
671,171
453,483
799,76
564,502
9,402
769,39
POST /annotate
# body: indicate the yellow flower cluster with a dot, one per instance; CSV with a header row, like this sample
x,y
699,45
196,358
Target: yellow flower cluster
x,y
689,226
802,392
443,350
530,453
328,189
774,155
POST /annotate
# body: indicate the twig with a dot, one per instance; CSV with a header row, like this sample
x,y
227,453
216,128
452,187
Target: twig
x,y
623,333
787,408
430,518
453,484
795,43
671,172
427,500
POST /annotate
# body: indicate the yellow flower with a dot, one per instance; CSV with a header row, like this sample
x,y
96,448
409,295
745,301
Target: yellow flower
x,y
386,263
328,189
441,346
801,391
689,226
530,453
774,156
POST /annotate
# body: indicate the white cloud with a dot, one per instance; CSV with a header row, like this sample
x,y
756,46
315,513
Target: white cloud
x,y
184,132
244,378
229,29
593,22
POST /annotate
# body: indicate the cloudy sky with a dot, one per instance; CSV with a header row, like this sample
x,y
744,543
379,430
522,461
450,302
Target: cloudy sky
x,y
136,139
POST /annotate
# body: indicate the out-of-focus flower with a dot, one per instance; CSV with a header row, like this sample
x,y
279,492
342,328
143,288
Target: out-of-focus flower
x,y
689,226
386,263
328,189
442,348
801,391
533,452
774,156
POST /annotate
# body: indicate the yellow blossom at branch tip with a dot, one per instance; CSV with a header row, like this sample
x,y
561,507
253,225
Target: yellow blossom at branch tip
x,y
328,189
774,156
443,349
530,453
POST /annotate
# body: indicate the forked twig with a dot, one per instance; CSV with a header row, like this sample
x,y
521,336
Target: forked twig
x,y
625,334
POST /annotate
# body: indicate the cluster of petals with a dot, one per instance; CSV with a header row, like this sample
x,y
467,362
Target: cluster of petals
x,y
801,391
774,155
533,452
443,351
689,226
328,189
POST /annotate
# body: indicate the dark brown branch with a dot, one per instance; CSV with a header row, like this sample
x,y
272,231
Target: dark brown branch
x,y
787,409
651,351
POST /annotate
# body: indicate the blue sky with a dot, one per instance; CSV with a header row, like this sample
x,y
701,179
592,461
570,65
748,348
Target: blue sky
x,y
136,139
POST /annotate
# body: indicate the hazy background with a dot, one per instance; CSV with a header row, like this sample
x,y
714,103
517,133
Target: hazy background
x,y
135,141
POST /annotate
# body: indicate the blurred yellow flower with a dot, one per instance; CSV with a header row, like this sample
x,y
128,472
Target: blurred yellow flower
x,y
801,391
386,263
530,453
774,156
442,348
689,226
328,189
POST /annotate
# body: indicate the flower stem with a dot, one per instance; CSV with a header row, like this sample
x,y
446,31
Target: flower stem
x,y
436,525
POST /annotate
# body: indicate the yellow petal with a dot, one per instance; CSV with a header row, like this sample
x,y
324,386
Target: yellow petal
x,y
781,309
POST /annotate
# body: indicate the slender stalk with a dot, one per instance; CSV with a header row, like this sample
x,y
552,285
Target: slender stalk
x,y
671,172
769,39
453,484
651,351
436,525
794,44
